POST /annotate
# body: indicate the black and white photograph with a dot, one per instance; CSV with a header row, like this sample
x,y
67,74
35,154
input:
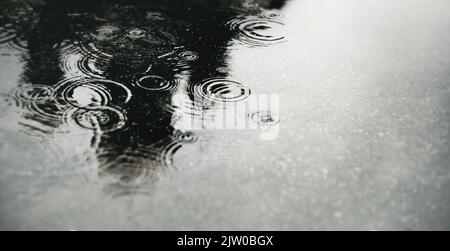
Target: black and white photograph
x,y
191,116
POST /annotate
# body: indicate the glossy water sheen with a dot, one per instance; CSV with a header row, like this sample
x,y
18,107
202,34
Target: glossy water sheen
x,y
109,114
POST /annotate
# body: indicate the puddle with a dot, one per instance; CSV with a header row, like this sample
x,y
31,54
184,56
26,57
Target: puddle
x,y
155,114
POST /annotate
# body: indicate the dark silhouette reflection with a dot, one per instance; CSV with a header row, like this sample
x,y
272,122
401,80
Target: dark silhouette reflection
x,y
114,66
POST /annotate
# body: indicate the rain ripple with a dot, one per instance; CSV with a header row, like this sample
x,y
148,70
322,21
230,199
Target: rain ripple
x,y
257,32
156,83
78,62
92,93
136,33
185,137
102,119
220,90
222,69
166,158
36,93
106,32
189,55
130,167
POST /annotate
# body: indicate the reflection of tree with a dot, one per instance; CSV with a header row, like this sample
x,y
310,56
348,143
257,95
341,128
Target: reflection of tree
x,y
171,27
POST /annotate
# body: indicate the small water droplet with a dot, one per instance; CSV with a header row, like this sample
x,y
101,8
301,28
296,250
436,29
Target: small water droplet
x,y
193,111
168,153
103,119
36,93
17,45
92,93
136,33
48,111
130,166
78,62
132,46
222,69
189,56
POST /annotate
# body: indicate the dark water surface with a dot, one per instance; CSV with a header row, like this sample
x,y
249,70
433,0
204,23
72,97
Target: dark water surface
x,y
225,115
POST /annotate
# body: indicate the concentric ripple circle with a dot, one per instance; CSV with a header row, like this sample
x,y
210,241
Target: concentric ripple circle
x,y
18,45
92,93
222,69
168,153
129,45
104,119
156,16
35,93
258,32
46,111
156,83
221,90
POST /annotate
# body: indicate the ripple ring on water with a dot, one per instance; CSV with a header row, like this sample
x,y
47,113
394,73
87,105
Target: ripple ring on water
x,y
104,119
156,83
189,55
6,35
221,90
222,69
35,93
185,137
168,153
77,61
92,93
136,33
47,112
258,32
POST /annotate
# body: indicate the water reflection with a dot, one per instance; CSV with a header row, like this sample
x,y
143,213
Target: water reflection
x,y
113,68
